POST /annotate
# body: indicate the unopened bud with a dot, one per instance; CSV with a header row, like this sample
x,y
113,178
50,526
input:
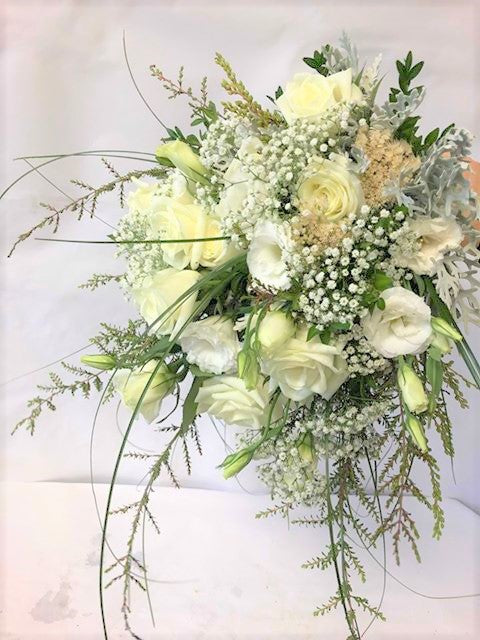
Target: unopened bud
x,y
99,361
415,429
306,448
442,326
441,342
248,369
411,388
235,462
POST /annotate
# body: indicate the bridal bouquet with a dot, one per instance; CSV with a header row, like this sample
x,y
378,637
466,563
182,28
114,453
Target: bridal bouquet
x,y
300,267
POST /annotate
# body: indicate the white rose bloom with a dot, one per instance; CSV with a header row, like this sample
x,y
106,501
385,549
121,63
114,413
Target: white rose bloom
x,y
403,327
212,344
267,255
131,383
309,95
330,190
302,368
240,180
437,236
227,398
159,292
144,197
175,219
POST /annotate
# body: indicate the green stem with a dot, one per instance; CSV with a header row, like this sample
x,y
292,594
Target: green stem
x,y
334,550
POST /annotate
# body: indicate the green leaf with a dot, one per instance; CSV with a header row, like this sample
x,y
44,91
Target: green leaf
x,y
190,404
278,92
381,281
434,373
312,332
415,70
381,304
431,137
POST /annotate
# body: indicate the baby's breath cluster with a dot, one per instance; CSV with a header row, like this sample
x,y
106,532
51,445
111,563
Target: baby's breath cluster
x,y
336,280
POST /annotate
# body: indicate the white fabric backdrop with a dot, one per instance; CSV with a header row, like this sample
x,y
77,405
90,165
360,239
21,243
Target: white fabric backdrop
x,y
67,89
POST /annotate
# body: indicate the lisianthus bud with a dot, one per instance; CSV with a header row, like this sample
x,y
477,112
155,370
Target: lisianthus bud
x,y
99,361
441,342
235,462
182,156
412,390
275,329
415,429
306,448
442,326
248,368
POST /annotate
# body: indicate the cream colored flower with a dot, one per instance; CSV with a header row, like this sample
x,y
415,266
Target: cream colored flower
x,y
160,292
401,328
144,197
437,236
309,95
329,190
130,384
240,180
268,253
212,344
227,398
390,162
174,219
302,368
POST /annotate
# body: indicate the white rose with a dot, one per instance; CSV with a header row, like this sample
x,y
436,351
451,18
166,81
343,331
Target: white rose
x,y
309,95
131,383
267,255
159,292
239,179
302,368
402,327
437,236
212,344
182,156
144,197
227,398
275,329
329,190
174,219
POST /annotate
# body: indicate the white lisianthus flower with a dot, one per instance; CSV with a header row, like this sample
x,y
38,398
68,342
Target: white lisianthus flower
x,y
182,156
275,329
131,383
159,292
212,344
330,190
401,328
267,255
437,236
174,219
228,399
309,95
302,368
